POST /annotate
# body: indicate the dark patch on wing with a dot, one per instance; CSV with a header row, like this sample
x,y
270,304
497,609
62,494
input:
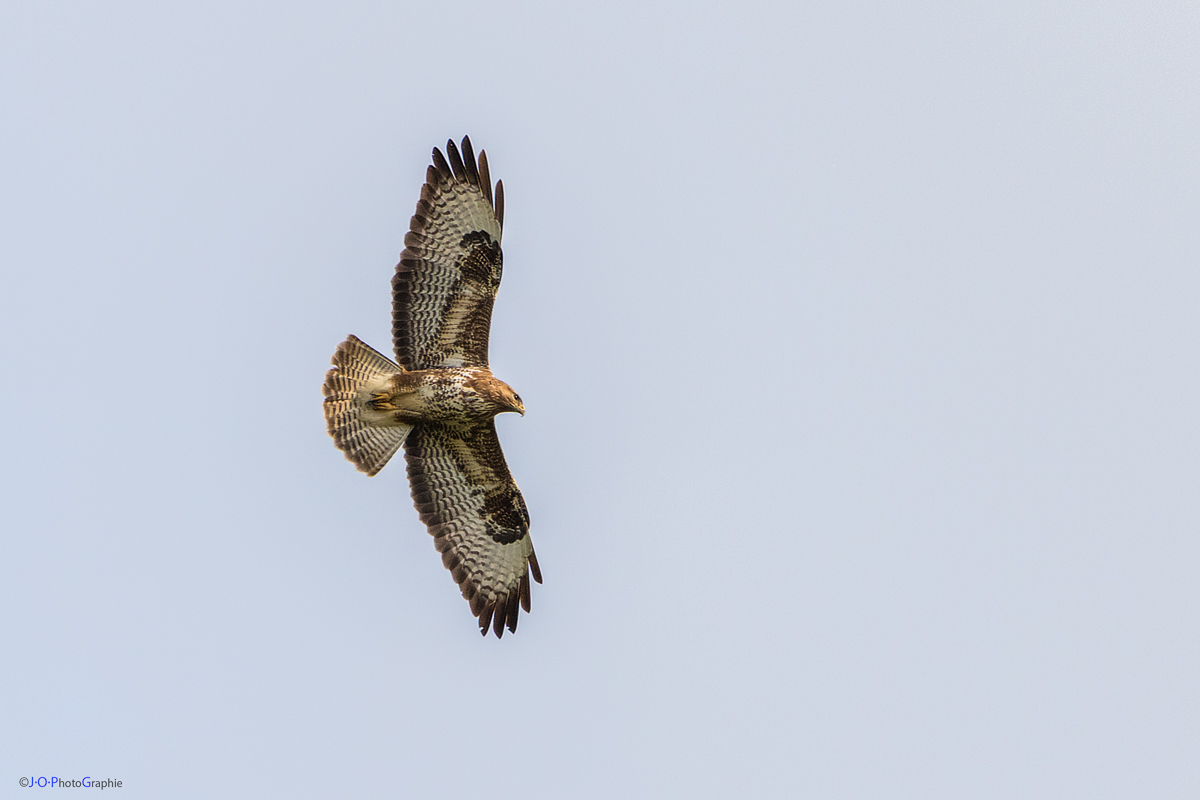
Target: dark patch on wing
x,y
482,264
506,515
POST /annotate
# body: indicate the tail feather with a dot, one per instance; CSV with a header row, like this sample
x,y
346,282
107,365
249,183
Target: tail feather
x,y
355,367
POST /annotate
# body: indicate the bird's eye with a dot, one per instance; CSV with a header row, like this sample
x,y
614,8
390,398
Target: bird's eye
x,y
517,397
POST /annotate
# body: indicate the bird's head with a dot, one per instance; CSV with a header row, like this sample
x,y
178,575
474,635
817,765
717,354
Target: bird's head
x,y
510,399
516,404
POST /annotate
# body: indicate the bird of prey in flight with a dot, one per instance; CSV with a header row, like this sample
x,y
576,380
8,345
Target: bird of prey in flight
x,y
438,399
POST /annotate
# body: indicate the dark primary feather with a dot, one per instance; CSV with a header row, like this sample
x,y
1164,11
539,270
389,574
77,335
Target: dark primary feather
x,y
456,163
440,167
469,163
485,179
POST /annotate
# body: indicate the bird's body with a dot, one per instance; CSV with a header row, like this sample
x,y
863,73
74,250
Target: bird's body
x,y
439,398
450,394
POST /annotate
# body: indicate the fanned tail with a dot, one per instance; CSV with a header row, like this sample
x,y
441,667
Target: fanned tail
x,y
357,369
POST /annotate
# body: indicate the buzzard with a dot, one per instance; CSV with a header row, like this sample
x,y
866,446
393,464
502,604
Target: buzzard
x,y
439,400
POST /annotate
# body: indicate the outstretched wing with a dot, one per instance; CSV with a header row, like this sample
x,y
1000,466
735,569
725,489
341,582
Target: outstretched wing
x,y
449,272
464,492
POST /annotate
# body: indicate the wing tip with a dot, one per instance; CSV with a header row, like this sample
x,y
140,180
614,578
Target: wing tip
x,y
456,162
460,165
442,169
470,163
501,611
533,565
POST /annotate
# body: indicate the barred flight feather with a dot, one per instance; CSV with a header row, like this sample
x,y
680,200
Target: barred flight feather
x,y
355,366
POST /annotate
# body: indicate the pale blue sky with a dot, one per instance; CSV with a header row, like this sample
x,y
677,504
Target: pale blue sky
x,y
861,354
